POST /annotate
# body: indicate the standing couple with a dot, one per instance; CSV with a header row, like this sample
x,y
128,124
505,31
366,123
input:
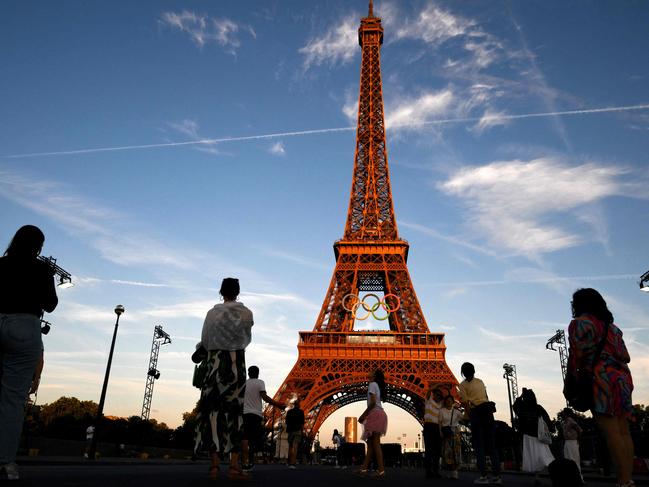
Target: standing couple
x,y
441,425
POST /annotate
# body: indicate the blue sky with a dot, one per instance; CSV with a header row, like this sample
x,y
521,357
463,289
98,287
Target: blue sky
x,y
164,146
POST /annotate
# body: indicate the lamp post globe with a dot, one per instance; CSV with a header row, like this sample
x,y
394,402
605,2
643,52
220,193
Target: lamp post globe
x,y
119,309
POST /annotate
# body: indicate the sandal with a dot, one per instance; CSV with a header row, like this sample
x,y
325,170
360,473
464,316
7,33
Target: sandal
x,y
363,472
379,475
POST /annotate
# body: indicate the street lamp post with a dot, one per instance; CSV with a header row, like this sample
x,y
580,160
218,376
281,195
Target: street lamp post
x,y
119,309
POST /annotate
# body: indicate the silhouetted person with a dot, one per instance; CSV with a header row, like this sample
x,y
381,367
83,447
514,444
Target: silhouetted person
x,y
253,417
26,290
473,395
449,428
338,441
432,436
375,423
612,383
531,416
571,433
226,334
294,427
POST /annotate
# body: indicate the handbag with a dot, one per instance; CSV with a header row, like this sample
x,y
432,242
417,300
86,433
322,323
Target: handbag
x,y
578,386
486,407
200,374
543,432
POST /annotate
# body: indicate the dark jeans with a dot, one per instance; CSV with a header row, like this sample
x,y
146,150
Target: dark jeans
x,y
432,448
483,432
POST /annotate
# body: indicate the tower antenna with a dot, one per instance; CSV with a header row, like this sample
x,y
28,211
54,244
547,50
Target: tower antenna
x,y
371,12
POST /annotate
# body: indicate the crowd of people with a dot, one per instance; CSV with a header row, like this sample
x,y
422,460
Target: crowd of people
x,y
598,357
230,408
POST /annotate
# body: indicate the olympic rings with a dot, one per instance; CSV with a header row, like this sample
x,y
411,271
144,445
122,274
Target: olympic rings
x,y
371,310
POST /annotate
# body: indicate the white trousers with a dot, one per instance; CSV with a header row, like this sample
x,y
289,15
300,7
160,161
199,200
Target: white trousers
x,y
571,452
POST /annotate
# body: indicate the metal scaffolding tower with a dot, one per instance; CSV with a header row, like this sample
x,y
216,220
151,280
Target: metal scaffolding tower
x,y
559,341
512,388
159,338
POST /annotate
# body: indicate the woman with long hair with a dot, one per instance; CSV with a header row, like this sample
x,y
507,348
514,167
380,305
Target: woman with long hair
x,y
612,382
26,290
531,417
375,423
226,334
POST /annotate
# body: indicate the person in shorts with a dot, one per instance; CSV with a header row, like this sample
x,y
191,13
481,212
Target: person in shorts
x,y
294,427
253,416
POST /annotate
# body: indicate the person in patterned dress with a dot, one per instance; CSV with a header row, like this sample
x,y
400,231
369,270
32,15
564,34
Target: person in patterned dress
x,y
226,334
612,382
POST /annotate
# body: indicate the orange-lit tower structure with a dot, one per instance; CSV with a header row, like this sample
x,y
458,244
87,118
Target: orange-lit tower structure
x,y
334,360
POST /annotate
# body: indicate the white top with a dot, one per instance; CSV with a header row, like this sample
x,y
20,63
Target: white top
x,y
227,326
90,432
431,411
473,392
450,417
252,403
374,389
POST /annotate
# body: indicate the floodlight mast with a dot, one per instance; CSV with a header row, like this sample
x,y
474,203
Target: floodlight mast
x,y
65,278
559,341
644,282
160,338
512,389
65,281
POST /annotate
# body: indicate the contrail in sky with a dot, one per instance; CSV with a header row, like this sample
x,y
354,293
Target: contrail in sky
x,y
330,130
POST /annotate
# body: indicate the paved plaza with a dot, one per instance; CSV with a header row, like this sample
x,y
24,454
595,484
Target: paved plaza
x,y
140,474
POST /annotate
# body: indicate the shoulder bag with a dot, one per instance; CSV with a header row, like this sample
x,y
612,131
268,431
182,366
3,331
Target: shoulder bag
x,y
543,432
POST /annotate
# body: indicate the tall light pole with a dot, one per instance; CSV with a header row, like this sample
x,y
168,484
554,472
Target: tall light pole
x,y
119,309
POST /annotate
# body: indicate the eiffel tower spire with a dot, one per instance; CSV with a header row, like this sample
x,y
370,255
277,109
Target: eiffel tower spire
x,y
371,212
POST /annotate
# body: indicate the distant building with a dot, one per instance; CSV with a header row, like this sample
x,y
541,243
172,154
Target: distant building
x,y
351,430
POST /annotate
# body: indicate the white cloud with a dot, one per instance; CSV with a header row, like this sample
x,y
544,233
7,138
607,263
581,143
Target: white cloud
x,y
203,29
454,240
512,203
190,129
408,111
490,119
338,45
99,225
277,149
434,25
187,127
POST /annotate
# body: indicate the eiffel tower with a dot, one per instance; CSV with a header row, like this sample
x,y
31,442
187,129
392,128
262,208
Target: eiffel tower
x,y
334,360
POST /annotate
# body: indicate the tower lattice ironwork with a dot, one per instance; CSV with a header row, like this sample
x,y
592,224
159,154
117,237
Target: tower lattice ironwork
x,y
160,337
334,360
